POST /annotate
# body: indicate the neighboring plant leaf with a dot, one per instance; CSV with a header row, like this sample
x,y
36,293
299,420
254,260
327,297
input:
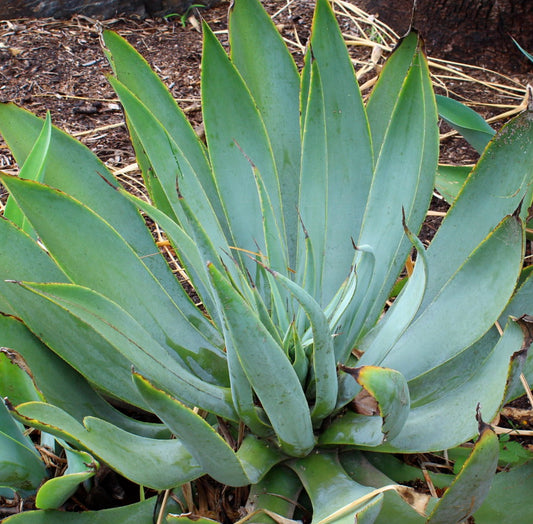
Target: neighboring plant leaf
x,y
466,122
529,56
450,180
277,492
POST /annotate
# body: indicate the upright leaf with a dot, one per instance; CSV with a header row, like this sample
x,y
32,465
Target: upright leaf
x,y
348,149
267,67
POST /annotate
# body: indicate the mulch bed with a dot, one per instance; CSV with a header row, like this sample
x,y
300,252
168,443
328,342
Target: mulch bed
x,y
58,66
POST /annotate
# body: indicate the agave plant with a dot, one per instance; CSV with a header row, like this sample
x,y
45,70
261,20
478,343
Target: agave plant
x,y
293,224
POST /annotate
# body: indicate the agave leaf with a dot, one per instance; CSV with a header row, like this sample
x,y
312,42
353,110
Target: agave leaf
x,y
389,389
56,491
190,520
495,265
353,429
137,346
472,485
191,256
385,394
268,69
466,121
384,97
196,434
59,383
62,333
276,249
508,497
134,72
277,492
267,368
258,457
381,339
80,227
171,168
323,355
164,464
21,467
33,168
495,188
15,382
348,155
450,180
243,394
91,184
313,190
334,495
454,410
235,135
520,305
405,505
138,513
403,178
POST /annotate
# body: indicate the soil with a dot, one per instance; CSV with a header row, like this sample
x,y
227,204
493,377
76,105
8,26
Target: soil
x,y
58,66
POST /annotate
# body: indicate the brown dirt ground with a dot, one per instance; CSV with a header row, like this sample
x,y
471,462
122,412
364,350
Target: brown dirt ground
x,y
58,66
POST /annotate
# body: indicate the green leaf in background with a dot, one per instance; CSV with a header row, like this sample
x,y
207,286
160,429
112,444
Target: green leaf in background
x,y
466,122
450,180
529,56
